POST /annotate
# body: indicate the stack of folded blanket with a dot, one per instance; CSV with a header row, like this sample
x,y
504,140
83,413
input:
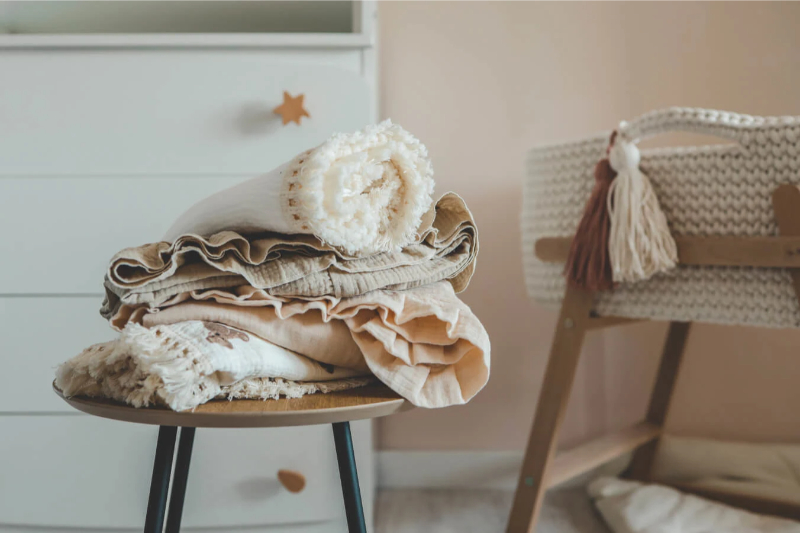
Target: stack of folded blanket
x,y
332,270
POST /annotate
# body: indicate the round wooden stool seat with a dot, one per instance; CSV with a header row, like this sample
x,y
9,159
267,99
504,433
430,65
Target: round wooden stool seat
x,y
360,403
336,408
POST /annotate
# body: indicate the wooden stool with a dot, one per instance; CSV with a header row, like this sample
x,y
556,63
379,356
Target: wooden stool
x,y
337,408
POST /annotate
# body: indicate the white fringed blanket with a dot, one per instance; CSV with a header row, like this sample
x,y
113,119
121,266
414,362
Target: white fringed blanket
x,y
363,192
189,363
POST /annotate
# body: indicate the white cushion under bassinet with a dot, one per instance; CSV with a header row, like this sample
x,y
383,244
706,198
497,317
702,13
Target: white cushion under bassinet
x,y
632,507
703,191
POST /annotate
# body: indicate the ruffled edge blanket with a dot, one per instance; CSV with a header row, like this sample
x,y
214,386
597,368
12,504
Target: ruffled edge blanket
x,y
142,265
151,274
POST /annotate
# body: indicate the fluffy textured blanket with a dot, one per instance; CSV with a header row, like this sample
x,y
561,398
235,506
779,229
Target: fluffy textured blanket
x,y
424,343
298,266
363,192
186,364
632,507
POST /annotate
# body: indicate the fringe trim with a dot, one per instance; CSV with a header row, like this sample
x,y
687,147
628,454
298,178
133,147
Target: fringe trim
x,y
272,389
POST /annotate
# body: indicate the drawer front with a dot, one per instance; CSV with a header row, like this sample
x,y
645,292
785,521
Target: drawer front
x,y
84,472
95,112
334,526
62,231
38,335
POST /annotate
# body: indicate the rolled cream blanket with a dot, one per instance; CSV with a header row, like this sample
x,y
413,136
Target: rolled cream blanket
x,y
186,364
363,193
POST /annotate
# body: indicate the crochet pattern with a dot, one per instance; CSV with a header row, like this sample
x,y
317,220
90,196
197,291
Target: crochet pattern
x,y
722,190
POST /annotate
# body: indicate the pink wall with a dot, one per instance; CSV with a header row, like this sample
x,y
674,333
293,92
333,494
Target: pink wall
x,y
482,82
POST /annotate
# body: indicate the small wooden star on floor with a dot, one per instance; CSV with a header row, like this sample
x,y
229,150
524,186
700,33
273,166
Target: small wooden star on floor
x,y
292,109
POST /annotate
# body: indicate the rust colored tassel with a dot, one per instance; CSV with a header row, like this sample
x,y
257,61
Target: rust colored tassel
x,y
588,264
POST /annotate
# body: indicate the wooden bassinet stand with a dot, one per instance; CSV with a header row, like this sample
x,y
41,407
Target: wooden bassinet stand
x,y
541,468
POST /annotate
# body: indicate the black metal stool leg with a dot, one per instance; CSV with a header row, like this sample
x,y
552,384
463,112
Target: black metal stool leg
x,y
349,476
159,484
180,480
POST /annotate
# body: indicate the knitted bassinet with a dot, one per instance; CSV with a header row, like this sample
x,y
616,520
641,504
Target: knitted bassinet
x,y
721,190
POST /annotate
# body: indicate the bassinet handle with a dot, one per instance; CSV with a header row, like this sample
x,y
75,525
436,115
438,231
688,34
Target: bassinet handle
x,y
723,124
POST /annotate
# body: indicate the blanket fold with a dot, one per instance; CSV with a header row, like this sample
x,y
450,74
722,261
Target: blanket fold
x,y
363,193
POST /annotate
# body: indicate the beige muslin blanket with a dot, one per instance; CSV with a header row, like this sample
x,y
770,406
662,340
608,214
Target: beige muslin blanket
x,y
424,343
292,265
186,364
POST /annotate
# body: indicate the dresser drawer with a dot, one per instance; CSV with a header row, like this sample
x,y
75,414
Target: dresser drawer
x,y
62,231
38,335
84,472
101,112
334,526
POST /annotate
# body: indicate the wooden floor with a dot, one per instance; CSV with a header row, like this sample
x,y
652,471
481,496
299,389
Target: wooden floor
x,y
480,511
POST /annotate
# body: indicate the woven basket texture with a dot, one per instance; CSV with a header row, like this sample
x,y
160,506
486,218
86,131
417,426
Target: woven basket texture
x,y
712,190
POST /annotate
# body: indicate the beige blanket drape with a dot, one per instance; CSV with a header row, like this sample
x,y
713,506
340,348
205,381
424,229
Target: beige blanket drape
x,y
424,343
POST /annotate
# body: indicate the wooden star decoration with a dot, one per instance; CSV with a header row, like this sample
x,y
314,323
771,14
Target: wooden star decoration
x,y
292,108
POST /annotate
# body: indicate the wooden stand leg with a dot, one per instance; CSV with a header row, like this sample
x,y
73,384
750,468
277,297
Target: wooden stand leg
x,y
667,376
786,203
564,355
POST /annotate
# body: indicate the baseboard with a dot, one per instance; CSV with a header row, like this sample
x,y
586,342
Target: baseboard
x,y
466,470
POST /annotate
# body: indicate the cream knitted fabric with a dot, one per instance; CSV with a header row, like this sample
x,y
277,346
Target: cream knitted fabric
x,y
703,191
186,364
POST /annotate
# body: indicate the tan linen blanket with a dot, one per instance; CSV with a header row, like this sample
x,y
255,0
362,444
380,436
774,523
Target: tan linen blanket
x,y
186,364
423,343
292,265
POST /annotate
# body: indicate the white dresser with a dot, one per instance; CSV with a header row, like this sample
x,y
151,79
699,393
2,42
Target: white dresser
x,y
115,117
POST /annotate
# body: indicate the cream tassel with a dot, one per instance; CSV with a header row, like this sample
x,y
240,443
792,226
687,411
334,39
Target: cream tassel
x,y
640,244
